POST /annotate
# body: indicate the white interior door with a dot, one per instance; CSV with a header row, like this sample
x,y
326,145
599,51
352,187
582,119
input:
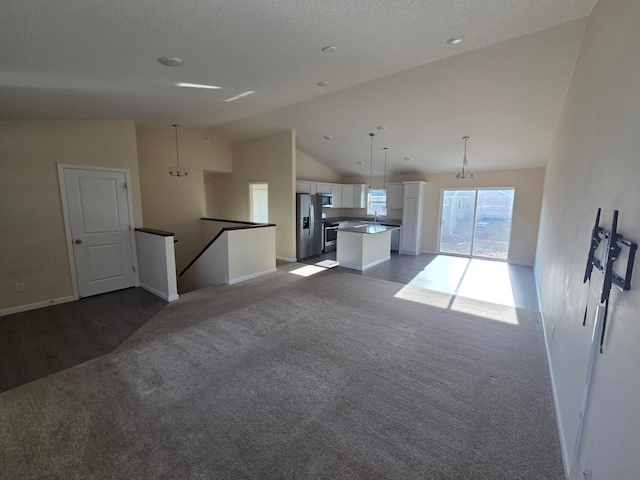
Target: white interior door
x,y
259,201
98,208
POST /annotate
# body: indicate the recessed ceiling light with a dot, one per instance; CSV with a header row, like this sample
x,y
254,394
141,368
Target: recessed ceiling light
x,y
381,128
328,137
239,96
360,163
455,40
407,159
197,85
329,49
323,83
170,61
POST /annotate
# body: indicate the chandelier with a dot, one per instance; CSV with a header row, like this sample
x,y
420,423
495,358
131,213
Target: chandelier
x,y
462,173
176,170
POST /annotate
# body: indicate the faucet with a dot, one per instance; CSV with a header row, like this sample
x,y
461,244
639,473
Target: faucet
x,y
375,216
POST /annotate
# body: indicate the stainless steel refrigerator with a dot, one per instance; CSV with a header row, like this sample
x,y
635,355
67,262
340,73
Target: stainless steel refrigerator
x,y
308,225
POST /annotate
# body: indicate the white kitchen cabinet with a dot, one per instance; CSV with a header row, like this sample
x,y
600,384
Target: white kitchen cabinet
x,y
412,189
412,212
347,196
303,187
359,196
336,193
323,188
395,195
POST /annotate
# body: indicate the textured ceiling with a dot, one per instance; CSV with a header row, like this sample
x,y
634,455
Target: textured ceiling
x,y
504,86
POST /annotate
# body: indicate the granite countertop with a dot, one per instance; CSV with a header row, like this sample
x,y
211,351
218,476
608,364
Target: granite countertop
x,y
369,229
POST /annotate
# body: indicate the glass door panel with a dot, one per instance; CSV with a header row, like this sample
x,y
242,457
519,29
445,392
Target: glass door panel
x,y
493,223
458,211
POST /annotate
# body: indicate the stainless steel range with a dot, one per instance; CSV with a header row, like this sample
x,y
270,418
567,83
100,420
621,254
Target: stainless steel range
x,y
330,235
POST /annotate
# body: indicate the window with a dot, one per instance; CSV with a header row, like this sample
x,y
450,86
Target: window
x,y
377,204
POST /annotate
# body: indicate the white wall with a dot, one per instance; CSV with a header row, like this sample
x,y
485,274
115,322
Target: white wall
x,y
271,160
177,204
595,162
157,265
308,168
33,245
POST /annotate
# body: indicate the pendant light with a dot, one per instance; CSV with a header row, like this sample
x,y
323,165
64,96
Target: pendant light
x,y
384,182
461,174
371,161
176,170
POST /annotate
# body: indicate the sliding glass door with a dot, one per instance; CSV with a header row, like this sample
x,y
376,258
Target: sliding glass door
x,y
476,222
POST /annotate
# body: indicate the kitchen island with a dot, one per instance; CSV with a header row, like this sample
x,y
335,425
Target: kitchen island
x,y
364,246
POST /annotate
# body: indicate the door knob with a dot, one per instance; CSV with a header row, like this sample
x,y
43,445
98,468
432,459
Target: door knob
x,y
78,241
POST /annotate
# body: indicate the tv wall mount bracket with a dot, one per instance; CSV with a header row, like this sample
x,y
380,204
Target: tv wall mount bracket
x,y
614,243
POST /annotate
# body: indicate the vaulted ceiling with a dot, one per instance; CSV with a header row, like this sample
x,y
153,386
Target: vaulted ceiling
x,y
504,85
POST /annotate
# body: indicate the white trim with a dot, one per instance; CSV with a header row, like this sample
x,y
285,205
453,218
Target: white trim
x,y
287,259
34,306
67,223
253,275
373,264
157,293
67,229
408,252
430,252
517,262
566,462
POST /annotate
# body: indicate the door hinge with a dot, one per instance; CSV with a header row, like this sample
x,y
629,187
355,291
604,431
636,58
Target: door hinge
x,y
129,227
125,185
134,268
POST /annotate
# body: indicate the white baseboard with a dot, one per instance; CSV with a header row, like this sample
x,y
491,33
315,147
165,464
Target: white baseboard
x,y
566,462
286,259
157,293
373,264
408,252
249,277
430,252
526,264
34,306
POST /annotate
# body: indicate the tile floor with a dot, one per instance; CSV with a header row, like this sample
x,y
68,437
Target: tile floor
x,y
487,280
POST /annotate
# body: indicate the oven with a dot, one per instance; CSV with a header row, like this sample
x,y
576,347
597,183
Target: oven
x,y
330,236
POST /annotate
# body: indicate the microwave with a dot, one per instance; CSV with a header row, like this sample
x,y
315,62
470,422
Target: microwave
x,y
327,200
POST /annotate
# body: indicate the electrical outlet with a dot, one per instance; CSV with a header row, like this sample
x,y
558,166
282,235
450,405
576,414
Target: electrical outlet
x,y
19,287
586,475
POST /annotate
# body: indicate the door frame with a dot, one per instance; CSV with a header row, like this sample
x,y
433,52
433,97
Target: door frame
x,y
251,199
67,222
475,211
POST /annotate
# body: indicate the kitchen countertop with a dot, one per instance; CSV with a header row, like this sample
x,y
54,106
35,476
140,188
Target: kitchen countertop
x,y
369,229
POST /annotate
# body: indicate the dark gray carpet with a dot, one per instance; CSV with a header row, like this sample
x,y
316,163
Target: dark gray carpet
x,y
330,376
40,342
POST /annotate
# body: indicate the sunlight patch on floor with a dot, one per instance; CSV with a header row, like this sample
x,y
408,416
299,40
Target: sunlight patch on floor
x,y
422,296
465,305
460,304
484,280
307,270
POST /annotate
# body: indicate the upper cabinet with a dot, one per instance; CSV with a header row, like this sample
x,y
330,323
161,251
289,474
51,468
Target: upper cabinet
x,y
395,195
344,196
323,188
359,196
413,189
303,187
347,196
336,193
